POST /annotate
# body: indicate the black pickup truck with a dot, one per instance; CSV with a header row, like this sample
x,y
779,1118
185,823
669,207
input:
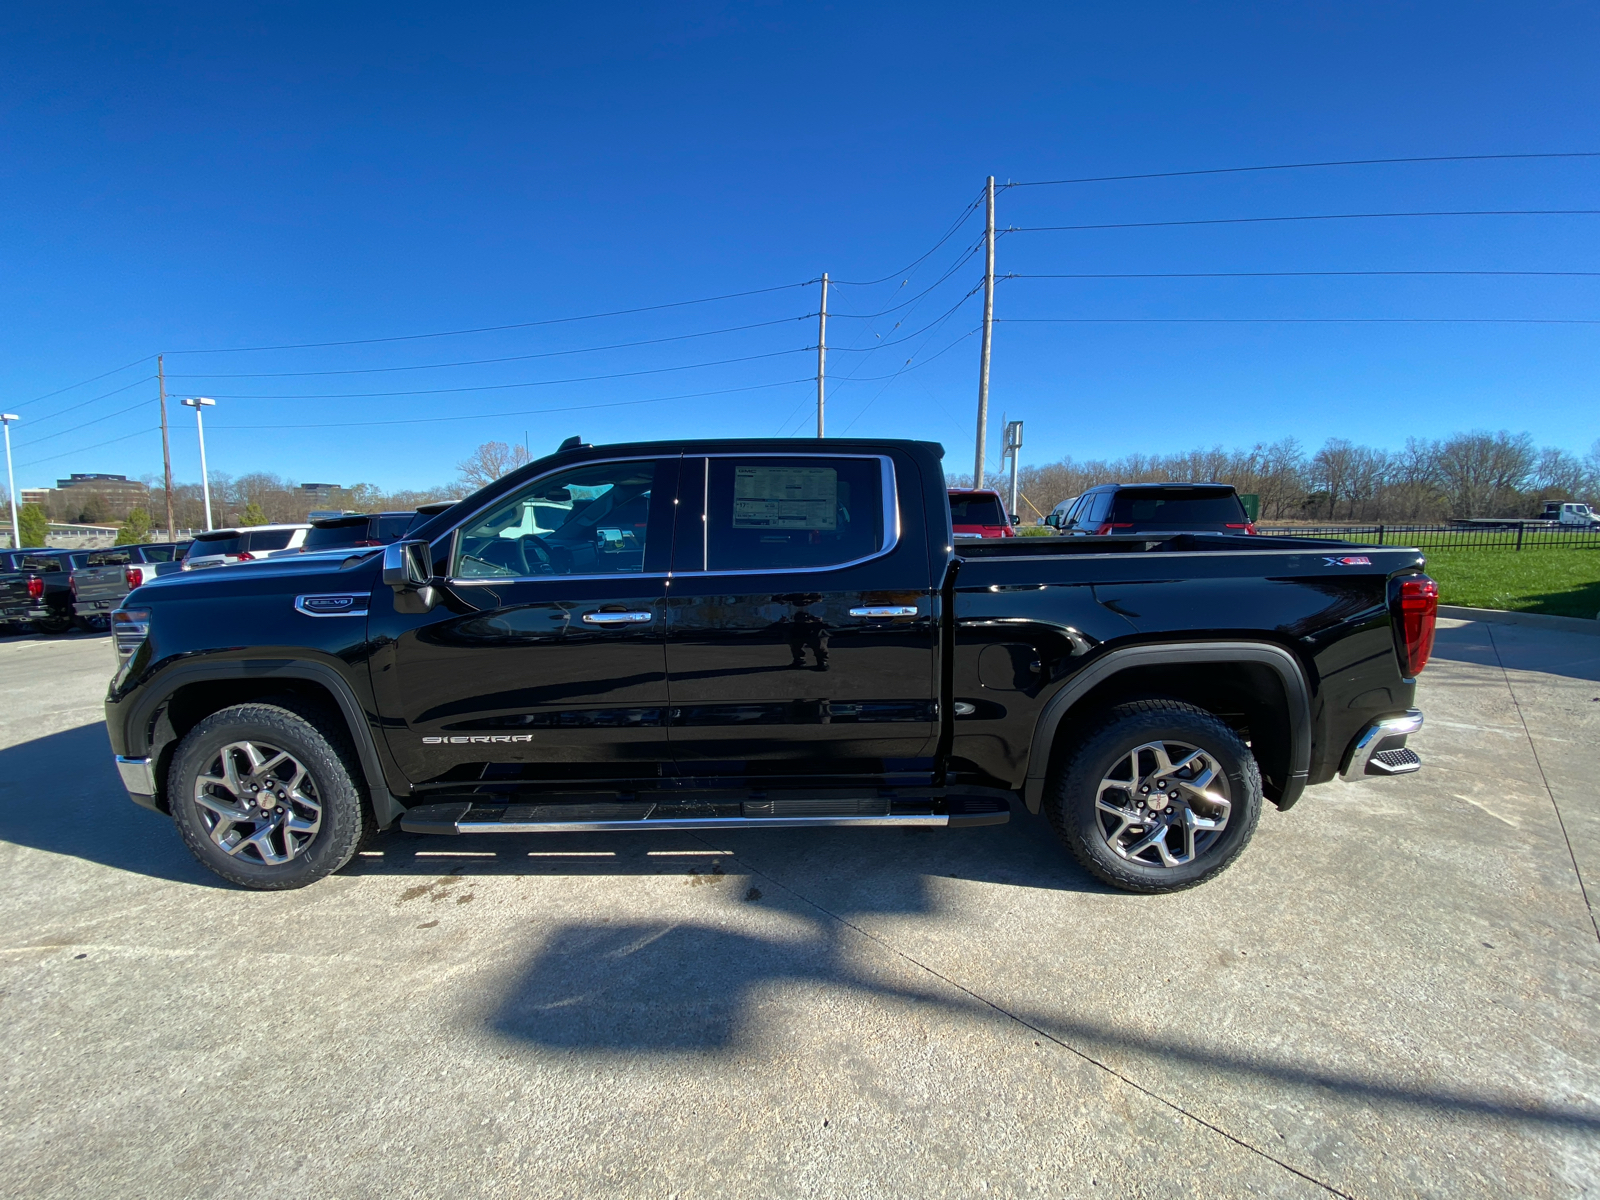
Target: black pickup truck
x,y
751,634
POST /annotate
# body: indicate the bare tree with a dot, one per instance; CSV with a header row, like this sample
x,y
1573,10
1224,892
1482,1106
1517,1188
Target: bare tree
x,y
1332,470
489,462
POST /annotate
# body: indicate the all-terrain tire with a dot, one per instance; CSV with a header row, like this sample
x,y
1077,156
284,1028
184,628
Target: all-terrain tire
x,y
315,739
1070,798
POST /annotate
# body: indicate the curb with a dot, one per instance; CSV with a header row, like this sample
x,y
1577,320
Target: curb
x,y
1535,620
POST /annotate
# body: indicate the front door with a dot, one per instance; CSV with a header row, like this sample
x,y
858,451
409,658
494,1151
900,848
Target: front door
x,y
800,623
545,659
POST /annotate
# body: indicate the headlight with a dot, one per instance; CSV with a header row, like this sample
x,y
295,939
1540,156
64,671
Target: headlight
x,y
129,628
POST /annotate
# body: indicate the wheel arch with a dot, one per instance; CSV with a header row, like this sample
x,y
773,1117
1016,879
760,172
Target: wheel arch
x,y
1259,686
191,693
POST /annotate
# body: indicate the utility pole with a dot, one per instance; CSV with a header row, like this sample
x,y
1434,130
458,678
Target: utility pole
x,y
1013,449
166,448
197,403
988,331
822,349
11,483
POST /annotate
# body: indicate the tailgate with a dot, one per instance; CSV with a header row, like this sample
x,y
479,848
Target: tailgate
x,y
100,587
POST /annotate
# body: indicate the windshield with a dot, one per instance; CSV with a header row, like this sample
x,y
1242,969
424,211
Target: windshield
x,y
976,510
1178,508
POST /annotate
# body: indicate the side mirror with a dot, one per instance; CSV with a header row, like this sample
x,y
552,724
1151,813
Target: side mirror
x,y
408,569
1016,519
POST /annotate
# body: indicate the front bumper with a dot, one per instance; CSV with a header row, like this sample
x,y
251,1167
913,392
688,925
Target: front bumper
x,y
139,778
1380,748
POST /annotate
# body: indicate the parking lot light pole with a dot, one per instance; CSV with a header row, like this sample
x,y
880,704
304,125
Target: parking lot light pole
x,y
197,403
11,483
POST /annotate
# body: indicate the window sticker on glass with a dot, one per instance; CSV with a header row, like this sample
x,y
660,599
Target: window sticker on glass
x,y
785,498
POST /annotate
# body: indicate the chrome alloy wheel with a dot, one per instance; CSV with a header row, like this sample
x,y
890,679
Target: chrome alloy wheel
x,y
1163,804
257,802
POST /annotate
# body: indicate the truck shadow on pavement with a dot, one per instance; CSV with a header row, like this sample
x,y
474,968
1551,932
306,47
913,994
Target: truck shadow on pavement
x,y
1520,648
60,793
693,988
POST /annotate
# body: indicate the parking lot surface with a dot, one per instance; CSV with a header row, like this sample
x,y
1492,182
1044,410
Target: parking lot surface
x,y
1394,992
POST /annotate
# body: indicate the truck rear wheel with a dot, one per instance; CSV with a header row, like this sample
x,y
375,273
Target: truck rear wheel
x,y
265,799
1158,797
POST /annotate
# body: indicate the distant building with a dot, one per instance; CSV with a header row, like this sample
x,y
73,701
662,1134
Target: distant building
x,y
318,491
102,497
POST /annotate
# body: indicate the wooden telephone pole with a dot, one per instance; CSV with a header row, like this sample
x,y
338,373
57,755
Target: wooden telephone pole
x,y
822,349
988,331
166,448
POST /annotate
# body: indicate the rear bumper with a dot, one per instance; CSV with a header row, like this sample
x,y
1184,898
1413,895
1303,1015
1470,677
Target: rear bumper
x,y
139,778
1380,748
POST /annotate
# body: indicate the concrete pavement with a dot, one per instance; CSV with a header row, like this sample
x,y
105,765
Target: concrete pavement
x,y
1394,992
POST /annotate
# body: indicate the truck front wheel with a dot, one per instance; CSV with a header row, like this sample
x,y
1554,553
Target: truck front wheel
x,y
265,798
1157,797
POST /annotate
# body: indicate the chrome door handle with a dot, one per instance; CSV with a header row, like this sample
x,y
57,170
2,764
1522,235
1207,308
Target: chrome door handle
x,y
617,618
885,610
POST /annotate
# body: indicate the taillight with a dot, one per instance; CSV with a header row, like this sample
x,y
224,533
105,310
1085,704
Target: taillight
x,y
246,556
1108,527
1417,602
135,577
72,586
35,587
1250,530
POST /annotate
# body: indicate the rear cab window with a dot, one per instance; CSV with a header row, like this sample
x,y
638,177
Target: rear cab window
x,y
789,513
269,539
976,510
332,536
33,562
205,547
1178,508
108,558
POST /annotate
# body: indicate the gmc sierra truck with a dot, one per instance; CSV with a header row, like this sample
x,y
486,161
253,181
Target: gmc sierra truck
x,y
761,634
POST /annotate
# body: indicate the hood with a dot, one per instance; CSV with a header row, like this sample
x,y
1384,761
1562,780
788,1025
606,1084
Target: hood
x,y
328,571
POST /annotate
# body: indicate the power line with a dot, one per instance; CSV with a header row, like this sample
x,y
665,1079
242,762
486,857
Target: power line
x,y
939,320
1299,320
1349,162
1500,212
1281,274
85,424
478,362
949,233
84,449
412,337
526,412
920,365
494,387
61,412
83,382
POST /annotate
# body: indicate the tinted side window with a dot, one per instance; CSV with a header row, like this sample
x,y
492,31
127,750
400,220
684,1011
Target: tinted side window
x,y
155,553
592,520
777,514
327,537
1100,511
270,539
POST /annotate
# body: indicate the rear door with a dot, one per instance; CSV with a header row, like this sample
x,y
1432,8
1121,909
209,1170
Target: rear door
x,y
800,621
545,659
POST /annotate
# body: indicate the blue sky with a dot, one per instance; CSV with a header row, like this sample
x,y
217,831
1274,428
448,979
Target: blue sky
x,y
178,178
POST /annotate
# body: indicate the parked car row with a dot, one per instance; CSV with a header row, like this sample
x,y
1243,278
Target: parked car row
x,y
56,590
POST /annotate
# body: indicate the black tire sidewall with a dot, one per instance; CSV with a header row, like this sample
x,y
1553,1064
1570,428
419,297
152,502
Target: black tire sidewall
x,y
1131,726
342,818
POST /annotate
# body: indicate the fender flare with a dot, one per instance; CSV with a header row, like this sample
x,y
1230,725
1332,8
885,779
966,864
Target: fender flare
x,y
1288,669
385,808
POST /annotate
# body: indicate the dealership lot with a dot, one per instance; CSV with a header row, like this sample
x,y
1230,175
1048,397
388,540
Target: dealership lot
x,y
1395,991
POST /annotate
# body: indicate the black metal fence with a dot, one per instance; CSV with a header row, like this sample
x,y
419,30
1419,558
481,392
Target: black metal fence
x,y
1512,535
